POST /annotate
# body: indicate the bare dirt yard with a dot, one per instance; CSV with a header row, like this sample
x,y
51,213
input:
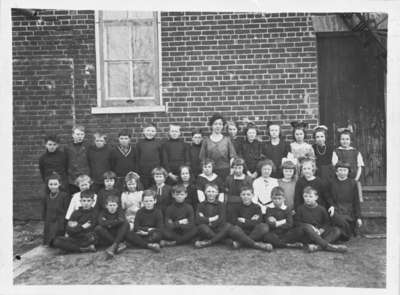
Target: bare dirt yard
x,y
363,266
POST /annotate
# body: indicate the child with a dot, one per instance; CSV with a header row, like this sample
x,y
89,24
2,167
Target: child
x,y
232,129
55,204
112,226
123,158
179,220
264,184
185,179
346,153
210,219
99,159
53,160
80,236
314,221
233,185
83,182
308,178
280,221
347,213
276,148
299,149
194,151
148,154
208,177
288,182
247,228
175,153
163,191
323,153
109,179
251,150
131,199
147,232
77,157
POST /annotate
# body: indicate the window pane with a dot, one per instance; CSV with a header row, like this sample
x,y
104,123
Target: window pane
x,y
118,80
140,14
143,36
143,79
114,15
117,42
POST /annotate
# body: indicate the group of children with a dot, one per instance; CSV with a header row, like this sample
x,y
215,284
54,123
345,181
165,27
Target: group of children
x,y
158,194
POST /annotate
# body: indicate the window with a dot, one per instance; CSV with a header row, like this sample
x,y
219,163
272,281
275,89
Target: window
x,y
128,62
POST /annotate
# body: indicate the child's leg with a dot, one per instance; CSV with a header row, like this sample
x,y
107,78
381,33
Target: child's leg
x,y
186,236
106,237
66,244
205,232
169,234
314,237
237,234
136,240
259,231
121,232
155,236
274,240
221,233
331,234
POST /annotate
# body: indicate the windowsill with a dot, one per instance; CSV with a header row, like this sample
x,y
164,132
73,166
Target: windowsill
x,y
126,110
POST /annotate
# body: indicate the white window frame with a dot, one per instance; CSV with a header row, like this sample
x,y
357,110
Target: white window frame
x,y
100,109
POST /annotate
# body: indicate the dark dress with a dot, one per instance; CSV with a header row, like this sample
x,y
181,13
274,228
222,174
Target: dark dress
x,y
252,153
149,156
276,153
323,155
322,188
195,165
54,209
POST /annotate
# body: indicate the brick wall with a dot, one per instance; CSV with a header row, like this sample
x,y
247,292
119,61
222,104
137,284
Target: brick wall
x,y
256,66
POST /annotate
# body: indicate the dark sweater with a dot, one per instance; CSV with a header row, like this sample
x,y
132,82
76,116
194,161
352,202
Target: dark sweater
x,y
111,220
121,162
175,153
323,154
77,161
82,216
252,153
246,212
53,162
208,210
146,219
233,187
148,155
279,214
316,216
195,165
164,198
177,211
323,189
276,153
202,182
345,197
192,196
102,197
99,160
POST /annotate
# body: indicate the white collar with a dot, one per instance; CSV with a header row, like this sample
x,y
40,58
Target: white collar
x,y
343,148
240,177
211,178
272,205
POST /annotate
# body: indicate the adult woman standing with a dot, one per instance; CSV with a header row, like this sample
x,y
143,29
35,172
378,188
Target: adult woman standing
x,y
218,147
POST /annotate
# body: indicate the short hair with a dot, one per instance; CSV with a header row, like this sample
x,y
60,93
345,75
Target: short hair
x,y
147,125
341,164
299,128
109,175
213,185
178,188
269,124
246,188
175,124
215,117
289,165
207,161
249,126
54,176
277,191
100,135
78,127
309,190
131,176
149,193
125,132
88,194
232,123
197,131
159,170
308,160
266,162
112,199
51,137
239,162
82,178
318,129
348,132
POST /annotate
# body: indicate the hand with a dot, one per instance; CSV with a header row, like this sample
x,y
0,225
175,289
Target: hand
x,y
86,224
184,221
271,219
359,222
241,219
254,175
201,214
72,223
321,231
331,211
142,233
151,229
169,221
131,226
214,218
173,176
255,217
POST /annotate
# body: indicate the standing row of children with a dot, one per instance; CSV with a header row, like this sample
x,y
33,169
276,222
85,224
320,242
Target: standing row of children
x,y
250,207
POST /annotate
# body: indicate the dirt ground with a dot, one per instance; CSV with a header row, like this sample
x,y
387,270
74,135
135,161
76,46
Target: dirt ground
x,y
363,266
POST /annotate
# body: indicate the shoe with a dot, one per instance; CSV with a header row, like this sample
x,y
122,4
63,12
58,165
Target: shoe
x,y
263,246
336,248
235,245
201,244
313,248
154,247
110,251
90,248
121,247
164,243
295,245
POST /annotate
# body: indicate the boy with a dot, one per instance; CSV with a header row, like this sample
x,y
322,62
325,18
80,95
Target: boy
x,y
314,221
179,220
163,191
148,154
53,160
194,152
247,228
175,153
99,159
83,182
77,157
112,226
80,236
147,230
123,159
210,217
280,221
109,179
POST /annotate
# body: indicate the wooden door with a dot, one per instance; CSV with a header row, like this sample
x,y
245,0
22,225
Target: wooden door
x,y
352,91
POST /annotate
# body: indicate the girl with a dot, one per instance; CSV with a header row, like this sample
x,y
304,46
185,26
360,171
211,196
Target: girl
x,y
251,150
208,176
323,153
276,148
83,182
185,178
288,182
300,149
346,214
55,203
131,198
346,153
233,184
308,178
264,184
232,129
218,147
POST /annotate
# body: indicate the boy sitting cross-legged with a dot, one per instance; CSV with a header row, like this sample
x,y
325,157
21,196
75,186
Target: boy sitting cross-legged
x,y
179,220
210,217
80,236
112,226
247,228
